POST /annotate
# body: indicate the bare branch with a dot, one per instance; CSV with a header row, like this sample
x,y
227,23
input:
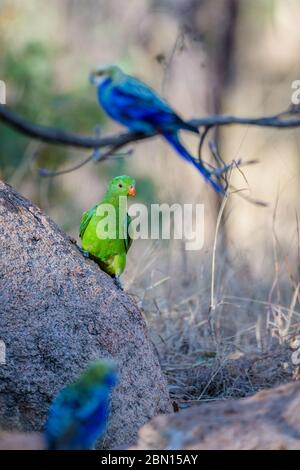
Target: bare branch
x,y
56,136
267,121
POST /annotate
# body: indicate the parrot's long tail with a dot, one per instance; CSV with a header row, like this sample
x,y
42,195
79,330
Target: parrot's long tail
x,y
174,140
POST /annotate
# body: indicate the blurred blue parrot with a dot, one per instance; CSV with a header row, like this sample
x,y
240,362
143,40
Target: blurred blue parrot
x,y
78,415
135,105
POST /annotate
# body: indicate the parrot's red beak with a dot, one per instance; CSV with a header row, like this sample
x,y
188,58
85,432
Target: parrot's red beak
x,y
131,191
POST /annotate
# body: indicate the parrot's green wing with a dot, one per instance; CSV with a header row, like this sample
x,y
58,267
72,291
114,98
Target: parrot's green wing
x,y
128,240
85,220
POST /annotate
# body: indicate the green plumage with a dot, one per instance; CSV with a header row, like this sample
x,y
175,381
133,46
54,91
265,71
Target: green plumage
x,y
109,252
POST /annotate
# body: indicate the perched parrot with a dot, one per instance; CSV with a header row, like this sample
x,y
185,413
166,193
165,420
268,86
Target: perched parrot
x,y
109,253
78,415
135,105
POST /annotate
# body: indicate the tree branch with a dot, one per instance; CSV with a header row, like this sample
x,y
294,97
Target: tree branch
x,y
56,136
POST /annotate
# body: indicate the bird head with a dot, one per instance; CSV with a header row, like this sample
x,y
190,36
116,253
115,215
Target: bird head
x,y
105,71
122,186
100,372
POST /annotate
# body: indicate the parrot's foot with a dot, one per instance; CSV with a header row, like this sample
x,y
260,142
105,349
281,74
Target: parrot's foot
x,y
73,240
118,282
96,155
84,252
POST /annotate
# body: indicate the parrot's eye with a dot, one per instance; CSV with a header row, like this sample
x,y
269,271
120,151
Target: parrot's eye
x,y
120,185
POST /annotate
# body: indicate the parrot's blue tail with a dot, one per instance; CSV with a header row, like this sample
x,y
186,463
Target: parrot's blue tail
x,y
173,139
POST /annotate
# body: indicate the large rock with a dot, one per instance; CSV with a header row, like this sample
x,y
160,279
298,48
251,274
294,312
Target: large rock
x,y
268,420
58,311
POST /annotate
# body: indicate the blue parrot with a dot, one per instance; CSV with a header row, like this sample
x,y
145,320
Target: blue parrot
x,y
135,105
78,415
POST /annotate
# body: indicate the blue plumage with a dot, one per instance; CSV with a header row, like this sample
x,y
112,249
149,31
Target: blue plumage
x,y
78,415
135,105
173,139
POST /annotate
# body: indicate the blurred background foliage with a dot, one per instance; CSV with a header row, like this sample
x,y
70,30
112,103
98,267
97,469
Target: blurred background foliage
x,y
205,56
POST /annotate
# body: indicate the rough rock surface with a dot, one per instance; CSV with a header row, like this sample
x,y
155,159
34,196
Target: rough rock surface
x,y
268,420
58,311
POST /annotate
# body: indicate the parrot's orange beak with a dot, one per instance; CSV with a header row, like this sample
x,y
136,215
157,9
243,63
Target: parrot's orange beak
x,y
131,191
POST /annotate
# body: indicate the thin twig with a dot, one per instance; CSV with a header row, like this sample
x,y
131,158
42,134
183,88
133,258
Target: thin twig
x,y
213,263
212,306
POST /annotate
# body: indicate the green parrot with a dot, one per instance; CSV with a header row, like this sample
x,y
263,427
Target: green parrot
x,y
109,252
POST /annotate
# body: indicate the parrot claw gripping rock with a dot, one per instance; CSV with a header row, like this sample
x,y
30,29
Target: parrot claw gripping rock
x,y
118,283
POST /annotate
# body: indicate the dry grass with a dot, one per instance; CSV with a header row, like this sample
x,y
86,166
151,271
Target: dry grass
x,y
231,364
219,331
